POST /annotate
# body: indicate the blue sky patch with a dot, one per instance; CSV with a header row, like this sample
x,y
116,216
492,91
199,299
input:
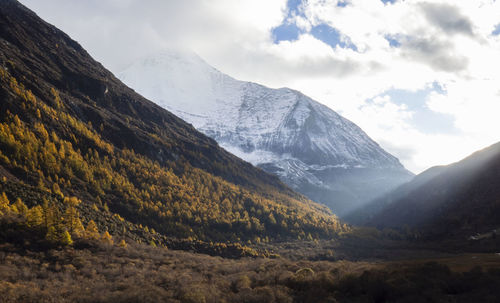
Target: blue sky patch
x,y
331,36
288,31
388,1
285,32
342,3
496,31
424,119
393,41
294,8
413,99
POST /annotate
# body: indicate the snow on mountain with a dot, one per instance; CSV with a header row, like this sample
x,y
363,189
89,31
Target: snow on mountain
x,y
308,145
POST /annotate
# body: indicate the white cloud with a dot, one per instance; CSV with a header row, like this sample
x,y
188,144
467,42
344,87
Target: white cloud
x,y
475,104
448,42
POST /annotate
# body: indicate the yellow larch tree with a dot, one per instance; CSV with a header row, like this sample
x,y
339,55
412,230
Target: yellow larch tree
x,y
91,232
4,204
19,207
35,216
107,238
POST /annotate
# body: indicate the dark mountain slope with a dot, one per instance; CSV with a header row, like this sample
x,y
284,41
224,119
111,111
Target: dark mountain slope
x,y
457,200
364,214
42,57
69,126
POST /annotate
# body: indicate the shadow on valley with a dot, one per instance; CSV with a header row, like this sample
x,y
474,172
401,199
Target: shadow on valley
x,y
94,270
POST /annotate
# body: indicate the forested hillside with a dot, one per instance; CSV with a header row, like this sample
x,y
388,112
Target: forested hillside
x,y
69,128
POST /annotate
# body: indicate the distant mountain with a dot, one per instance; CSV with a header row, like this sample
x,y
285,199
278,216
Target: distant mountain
x,y
310,147
455,201
68,127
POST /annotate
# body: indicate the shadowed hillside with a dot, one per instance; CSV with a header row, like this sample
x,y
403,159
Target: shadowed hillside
x,y
454,201
69,127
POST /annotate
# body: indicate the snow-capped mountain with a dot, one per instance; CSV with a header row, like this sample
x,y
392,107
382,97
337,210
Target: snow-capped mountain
x,y
309,146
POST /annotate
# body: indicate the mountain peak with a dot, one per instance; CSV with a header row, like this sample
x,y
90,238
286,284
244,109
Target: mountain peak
x,y
166,56
281,130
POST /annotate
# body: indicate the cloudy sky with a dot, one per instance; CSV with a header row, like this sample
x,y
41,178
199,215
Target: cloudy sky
x,y
422,78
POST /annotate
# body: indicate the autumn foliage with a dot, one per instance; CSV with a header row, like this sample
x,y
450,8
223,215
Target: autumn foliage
x,y
59,227
57,152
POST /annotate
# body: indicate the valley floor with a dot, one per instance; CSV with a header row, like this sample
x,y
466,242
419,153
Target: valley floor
x,y
96,272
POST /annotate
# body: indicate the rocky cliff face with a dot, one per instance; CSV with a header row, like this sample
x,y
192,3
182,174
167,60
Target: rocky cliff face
x,y
308,145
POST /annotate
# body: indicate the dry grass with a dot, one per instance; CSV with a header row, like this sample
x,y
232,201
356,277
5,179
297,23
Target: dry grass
x,y
139,273
459,263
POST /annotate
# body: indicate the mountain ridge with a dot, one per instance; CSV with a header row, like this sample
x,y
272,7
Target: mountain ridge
x,y
69,127
454,201
309,146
